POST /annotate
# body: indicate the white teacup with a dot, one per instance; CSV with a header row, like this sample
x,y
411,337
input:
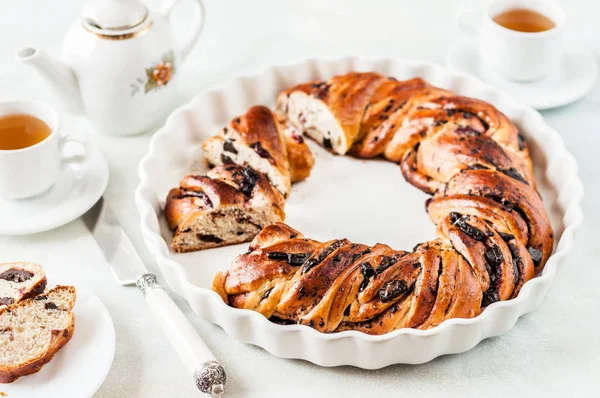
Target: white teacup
x,y
30,171
520,56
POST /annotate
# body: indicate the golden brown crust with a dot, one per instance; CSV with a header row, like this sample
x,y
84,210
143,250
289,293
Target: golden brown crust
x,y
346,96
493,233
226,191
271,137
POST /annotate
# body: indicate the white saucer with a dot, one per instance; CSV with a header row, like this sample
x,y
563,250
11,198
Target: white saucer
x,y
79,369
75,192
572,78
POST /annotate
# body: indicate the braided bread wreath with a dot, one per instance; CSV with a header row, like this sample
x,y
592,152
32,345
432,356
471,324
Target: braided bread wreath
x,y
492,234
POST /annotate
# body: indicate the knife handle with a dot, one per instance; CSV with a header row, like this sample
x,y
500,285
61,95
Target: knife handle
x,y
197,358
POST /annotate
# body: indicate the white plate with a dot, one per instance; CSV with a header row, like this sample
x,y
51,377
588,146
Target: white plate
x,y
81,366
365,201
75,192
570,79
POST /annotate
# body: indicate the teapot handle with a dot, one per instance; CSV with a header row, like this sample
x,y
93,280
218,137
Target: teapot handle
x,y
187,46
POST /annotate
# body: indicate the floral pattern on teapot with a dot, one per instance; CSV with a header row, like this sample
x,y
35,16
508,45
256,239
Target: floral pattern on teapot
x,y
158,75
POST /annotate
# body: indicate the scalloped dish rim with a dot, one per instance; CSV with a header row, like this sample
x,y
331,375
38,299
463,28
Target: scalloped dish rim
x,y
572,217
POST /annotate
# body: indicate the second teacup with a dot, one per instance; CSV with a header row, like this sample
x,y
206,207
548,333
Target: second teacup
x,y
513,54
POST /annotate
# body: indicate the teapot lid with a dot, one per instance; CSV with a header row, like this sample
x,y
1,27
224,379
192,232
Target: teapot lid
x,y
114,15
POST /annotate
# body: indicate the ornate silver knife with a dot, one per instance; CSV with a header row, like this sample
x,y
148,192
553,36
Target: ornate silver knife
x,y
128,269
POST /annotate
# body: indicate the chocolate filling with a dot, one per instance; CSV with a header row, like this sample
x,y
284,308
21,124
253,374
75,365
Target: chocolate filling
x,y
392,289
536,255
209,238
262,152
494,259
367,272
467,130
6,300
506,237
188,193
293,259
521,142
327,143
468,229
246,180
228,146
314,261
513,173
226,159
51,306
386,262
16,275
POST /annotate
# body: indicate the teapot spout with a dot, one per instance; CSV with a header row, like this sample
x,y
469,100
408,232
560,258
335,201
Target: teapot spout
x,y
58,75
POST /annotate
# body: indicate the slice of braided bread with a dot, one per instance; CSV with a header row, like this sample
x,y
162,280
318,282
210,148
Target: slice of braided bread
x,y
331,112
229,205
266,142
32,331
19,281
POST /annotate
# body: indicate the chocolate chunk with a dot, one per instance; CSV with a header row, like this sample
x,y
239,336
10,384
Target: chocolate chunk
x,y
262,152
506,237
40,297
293,259
392,289
469,229
367,272
477,166
327,143
228,146
356,256
6,300
247,180
517,261
347,310
440,122
450,112
51,306
16,275
536,255
314,261
513,173
489,297
209,238
467,130
188,193
521,142
386,262
493,255
454,216
226,159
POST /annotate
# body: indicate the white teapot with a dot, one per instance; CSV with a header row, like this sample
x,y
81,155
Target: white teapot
x,y
120,62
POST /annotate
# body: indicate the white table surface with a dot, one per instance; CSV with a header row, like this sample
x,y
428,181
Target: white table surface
x,y
552,352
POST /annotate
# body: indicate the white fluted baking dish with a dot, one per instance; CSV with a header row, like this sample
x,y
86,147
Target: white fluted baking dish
x,y
364,201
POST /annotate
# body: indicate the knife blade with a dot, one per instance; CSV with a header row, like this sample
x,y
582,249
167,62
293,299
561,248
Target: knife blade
x,y
129,269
